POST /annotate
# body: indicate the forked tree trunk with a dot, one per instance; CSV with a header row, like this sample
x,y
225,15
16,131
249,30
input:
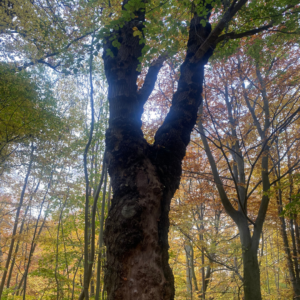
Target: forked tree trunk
x,y
145,177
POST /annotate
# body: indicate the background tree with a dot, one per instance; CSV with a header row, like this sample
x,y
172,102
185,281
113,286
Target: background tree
x,y
245,148
27,110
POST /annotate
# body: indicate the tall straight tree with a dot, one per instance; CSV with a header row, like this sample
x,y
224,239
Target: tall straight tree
x,y
145,177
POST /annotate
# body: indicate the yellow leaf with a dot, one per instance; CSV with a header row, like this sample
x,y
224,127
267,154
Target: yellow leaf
x,y
136,33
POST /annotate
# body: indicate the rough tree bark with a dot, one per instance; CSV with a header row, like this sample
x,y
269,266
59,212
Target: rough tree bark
x,y
145,177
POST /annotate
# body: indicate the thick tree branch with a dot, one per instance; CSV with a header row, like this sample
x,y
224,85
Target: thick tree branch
x,y
232,35
173,136
210,41
149,83
285,32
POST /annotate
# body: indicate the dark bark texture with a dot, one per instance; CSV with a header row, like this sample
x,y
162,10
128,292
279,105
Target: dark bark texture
x,y
145,177
251,275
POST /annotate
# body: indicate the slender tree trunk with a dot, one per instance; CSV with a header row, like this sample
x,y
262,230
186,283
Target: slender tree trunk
x,y
207,277
16,222
20,232
88,256
66,259
74,278
94,209
297,234
189,274
204,285
291,255
202,208
36,234
249,243
32,249
194,274
59,292
287,250
98,284
92,289
268,280
1,253
16,249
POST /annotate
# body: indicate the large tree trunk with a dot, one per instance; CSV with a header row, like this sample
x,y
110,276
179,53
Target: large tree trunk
x,y
137,228
250,261
251,275
145,177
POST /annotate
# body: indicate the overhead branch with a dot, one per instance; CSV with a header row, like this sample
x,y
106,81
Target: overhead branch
x,y
42,60
210,41
206,174
232,35
275,164
285,32
233,269
292,168
251,192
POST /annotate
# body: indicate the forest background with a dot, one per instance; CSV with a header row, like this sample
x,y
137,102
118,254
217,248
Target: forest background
x,y
55,189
